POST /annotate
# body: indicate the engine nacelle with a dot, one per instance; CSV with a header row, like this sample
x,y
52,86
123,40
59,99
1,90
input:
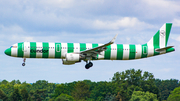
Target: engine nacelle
x,y
65,62
71,57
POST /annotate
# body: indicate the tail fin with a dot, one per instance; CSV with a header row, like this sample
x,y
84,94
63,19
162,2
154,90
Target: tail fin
x,y
160,39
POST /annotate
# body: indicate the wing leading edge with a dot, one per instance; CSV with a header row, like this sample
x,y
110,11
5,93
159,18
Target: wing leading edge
x,y
94,51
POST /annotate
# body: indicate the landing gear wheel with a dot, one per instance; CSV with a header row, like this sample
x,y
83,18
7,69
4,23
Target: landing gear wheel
x,y
88,65
23,64
24,60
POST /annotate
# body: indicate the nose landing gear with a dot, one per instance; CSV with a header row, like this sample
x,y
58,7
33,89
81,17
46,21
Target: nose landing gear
x,y
23,64
88,65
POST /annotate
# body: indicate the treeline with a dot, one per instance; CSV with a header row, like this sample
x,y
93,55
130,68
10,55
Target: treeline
x,y
129,85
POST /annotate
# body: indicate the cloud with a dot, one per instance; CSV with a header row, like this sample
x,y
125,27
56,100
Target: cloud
x,y
125,22
84,16
161,8
176,22
166,70
13,34
178,38
10,29
175,37
57,3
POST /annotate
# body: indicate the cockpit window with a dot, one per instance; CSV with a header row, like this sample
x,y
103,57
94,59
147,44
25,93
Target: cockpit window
x,y
13,47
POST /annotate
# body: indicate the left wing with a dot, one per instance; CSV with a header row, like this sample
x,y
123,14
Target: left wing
x,y
94,51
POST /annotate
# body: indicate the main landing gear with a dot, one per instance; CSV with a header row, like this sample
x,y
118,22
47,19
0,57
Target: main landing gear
x,y
88,65
23,64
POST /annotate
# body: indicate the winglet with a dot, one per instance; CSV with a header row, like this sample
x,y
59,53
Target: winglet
x,y
112,41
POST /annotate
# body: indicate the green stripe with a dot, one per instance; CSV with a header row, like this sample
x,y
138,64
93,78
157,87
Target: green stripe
x,y
108,52
20,48
156,42
144,51
9,51
132,51
168,29
32,47
82,46
119,51
57,50
70,47
156,39
93,46
45,54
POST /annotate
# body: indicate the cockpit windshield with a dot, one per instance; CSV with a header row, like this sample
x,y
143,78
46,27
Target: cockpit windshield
x,y
13,46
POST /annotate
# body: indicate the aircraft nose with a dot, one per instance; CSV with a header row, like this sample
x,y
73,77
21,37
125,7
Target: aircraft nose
x,y
8,51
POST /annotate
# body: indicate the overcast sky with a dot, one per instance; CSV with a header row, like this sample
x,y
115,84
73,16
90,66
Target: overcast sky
x,y
86,21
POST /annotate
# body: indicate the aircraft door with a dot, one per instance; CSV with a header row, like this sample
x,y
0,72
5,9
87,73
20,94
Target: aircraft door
x,y
24,47
58,47
144,49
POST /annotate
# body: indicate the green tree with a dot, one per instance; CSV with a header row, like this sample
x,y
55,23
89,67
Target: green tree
x,y
64,97
16,96
175,95
81,91
4,82
130,80
24,94
38,94
27,86
110,97
41,89
15,82
166,86
40,84
102,90
60,88
3,96
142,96
7,87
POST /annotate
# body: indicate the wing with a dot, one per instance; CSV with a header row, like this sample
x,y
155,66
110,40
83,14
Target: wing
x,y
97,50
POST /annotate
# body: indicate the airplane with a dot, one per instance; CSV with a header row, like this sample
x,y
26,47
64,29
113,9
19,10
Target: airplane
x,y
72,53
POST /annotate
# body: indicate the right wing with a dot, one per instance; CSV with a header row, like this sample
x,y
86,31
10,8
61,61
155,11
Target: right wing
x,y
94,51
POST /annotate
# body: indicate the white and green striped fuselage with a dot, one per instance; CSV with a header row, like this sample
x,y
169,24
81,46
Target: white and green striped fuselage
x,y
71,53
59,50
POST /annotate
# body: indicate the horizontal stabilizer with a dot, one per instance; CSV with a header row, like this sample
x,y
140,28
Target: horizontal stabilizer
x,y
162,49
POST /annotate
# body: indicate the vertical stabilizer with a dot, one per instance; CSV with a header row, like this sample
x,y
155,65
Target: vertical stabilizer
x,y
160,39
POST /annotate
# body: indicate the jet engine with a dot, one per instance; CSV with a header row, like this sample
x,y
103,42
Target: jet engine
x,y
71,58
65,62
